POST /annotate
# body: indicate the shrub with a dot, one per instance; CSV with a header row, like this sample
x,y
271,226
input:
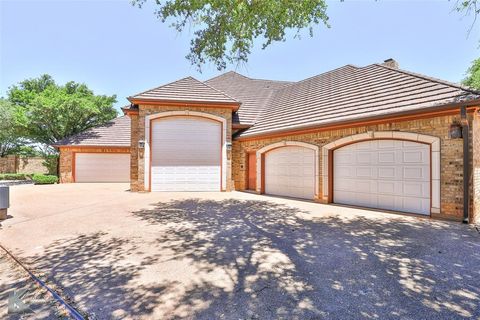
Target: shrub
x,y
44,179
13,176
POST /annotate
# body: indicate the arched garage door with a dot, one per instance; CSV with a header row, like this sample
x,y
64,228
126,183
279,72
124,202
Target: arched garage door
x,y
290,171
384,174
186,154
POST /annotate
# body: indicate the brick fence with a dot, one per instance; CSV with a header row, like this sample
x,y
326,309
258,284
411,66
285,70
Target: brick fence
x,y
18,164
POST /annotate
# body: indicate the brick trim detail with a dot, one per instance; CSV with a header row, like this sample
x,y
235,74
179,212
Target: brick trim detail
x,y
434,143
261,159
185,113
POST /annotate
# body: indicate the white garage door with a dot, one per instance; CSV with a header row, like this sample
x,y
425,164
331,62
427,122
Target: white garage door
x,y
290,171
102,167
384,174
186,154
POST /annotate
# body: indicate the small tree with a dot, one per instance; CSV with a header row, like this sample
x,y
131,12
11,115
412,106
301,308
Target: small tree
x,y
473,75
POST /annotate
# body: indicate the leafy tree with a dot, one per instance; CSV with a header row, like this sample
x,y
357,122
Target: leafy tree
x,y
473,75
9,135
225,30
47,112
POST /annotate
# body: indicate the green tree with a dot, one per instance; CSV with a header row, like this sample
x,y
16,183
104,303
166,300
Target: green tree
x,y
47,112
225,30
9,136
473,75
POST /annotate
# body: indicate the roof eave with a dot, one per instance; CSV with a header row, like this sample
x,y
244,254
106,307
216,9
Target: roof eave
x,y
234,105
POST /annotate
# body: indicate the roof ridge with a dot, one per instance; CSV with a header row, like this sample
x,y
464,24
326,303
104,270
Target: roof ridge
x,y
225,73
322,74
246,77
221,92
425,77
163,85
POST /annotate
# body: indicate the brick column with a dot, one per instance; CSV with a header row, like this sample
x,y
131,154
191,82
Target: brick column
x,y
475,213
134,183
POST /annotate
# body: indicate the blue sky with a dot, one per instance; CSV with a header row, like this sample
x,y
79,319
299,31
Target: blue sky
x,y
119,49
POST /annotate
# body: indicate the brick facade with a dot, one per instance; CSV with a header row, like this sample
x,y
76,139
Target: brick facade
x,y
451,155
66,160
138,133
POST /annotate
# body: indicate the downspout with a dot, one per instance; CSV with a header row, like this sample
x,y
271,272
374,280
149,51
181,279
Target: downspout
x,y
466,164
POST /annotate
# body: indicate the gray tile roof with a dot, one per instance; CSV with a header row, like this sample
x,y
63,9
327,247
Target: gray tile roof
x,y
115,133
352,93
186,89
253,93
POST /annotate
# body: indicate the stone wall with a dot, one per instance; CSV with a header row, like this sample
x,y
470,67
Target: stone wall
x,y
451,154
31,165
67,156
138,133
8,164
17,164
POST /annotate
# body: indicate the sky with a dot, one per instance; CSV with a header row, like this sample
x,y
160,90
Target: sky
x,y
116,48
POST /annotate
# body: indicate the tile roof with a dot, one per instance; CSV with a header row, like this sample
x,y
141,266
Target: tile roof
x,y
187,89
253,93
352,93
115,133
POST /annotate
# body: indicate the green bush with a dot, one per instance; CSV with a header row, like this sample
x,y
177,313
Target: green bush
x,y
44,179
13,176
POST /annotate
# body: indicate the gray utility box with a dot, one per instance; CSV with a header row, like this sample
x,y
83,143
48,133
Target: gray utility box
x,y
4,197
4,201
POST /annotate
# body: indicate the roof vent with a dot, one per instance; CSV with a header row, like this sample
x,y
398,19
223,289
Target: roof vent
x,y
392,63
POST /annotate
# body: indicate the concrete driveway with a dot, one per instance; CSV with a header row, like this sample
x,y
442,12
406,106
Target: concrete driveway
x,y
240,256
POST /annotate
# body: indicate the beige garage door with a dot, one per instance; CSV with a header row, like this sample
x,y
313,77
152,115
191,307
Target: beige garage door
x,y
290,172
102,167
384,174
186,154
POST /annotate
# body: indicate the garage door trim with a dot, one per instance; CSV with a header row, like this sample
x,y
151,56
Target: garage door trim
x,y
433,142
148,145
261,162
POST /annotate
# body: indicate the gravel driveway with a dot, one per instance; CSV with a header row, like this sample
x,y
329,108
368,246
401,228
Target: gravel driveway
x,y
240,256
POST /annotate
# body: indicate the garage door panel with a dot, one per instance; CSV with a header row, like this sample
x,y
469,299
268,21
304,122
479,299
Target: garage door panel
x,y
386,157
290,171
186,154
385,144
396,177
102,167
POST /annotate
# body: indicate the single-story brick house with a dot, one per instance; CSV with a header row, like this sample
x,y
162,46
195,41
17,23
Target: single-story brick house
x,y
374,136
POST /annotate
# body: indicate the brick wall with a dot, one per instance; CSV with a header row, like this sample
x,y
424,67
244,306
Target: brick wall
x,y
16,164
8,164
475,212
66,160
451,153
31,165
138,133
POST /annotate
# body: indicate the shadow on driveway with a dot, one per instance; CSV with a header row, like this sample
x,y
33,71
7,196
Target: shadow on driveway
x,y
237,259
